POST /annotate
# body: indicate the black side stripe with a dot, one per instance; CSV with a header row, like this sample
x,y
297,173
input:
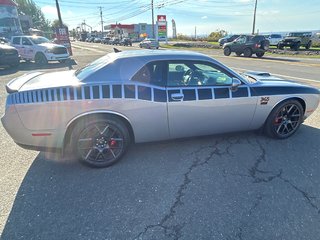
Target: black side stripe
x,y
262,91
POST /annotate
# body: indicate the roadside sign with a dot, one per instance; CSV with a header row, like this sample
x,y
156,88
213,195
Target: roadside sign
x,y
62,35
162,27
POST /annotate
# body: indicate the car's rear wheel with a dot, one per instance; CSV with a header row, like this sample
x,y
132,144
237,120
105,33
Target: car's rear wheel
x,y
247,52
40,59
227,51
100,141
260,54
284,120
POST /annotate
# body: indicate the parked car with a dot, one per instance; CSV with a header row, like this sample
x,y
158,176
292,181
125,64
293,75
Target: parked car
x,y
9,56
90,39
97,40
115,41
39,49
228,38
295,40
274,39
126,42
247,45
98,110
106,40
149,43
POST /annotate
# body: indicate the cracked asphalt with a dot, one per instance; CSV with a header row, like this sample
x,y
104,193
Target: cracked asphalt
x,y
231,187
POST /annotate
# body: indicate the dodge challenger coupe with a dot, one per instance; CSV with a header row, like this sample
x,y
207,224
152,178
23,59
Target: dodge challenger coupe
x,y
148,95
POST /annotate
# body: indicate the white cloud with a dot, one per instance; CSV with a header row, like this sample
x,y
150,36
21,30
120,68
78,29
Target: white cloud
x,y
49,10
204,17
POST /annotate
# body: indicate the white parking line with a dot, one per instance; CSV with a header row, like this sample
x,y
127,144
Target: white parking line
x,y
283,76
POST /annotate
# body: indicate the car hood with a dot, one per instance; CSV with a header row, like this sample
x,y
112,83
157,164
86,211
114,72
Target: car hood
x,y
41,80
50,45
6,47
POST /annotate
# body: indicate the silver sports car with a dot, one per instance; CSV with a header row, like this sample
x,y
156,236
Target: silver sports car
x,y
148,95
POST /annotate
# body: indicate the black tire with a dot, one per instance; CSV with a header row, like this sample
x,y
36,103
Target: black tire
x,y
40,59
238,54
284,120
308,46
279,46
100,141
247,52
296,46
260,54
227,51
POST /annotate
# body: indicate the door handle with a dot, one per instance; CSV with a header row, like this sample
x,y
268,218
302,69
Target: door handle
x,y
177,96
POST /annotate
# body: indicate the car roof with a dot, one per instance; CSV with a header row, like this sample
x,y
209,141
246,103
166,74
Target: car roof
x,y
156,53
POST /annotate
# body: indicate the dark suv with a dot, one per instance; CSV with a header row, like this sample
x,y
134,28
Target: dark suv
x,y
296,39
247,45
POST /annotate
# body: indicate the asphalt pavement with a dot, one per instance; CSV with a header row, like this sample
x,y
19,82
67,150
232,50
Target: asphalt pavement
x,y
232,186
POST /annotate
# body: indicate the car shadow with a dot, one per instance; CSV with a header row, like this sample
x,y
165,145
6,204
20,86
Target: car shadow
x,y
272,58
62,199
31,66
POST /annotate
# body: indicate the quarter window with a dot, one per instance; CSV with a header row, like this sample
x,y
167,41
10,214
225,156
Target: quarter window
x,y
189,73
151,73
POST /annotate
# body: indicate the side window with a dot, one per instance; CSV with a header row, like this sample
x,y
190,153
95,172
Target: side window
x,y
26,41
151,73
16,41
189,73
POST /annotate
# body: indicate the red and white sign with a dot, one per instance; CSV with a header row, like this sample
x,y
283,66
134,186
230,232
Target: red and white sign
x,y
162,18
62,37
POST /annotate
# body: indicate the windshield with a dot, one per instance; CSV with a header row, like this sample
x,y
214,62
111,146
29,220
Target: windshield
x,y
39,40
84,72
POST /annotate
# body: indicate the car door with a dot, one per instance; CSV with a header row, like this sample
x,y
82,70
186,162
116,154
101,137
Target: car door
x,y
16,42
203,102
27,48
238,44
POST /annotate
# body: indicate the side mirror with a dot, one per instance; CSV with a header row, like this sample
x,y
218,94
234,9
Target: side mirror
x,y
235,84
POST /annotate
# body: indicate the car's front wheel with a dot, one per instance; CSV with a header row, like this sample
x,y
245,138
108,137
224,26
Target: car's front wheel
x,y
40,59
284,120
100,141
227,51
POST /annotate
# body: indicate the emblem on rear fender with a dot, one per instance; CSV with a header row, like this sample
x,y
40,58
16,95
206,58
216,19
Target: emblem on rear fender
x,y
264,100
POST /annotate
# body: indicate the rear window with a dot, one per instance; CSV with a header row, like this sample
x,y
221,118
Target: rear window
x,y
84,72
276,36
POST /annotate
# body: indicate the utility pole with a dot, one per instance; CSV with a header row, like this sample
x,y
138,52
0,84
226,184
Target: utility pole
x,y
254,17
153,35
59,14
101,21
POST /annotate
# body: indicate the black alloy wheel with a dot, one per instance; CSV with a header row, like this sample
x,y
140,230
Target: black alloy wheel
x,y
284,120
40,59
260,54
247,52
227,51
99,141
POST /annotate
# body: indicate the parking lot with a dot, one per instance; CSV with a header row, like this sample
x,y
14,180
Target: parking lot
x,y
232,186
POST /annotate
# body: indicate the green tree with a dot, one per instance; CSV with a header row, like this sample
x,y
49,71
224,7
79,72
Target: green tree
x,y
28,7
219,33
56,24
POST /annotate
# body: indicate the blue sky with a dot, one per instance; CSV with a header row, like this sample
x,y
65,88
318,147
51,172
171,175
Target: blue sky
x,y
234,16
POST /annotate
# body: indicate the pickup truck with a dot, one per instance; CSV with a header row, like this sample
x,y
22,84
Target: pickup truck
x,y
39,49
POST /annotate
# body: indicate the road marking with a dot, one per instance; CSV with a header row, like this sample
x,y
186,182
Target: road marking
x,y
284,76
89,49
